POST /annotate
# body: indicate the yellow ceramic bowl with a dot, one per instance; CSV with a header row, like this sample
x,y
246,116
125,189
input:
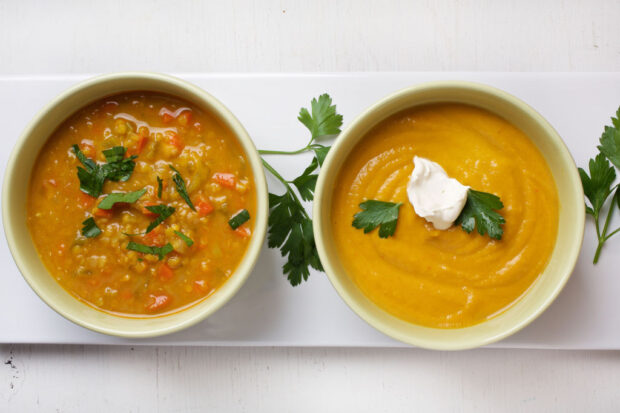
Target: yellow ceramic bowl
x,y
15,190
571,223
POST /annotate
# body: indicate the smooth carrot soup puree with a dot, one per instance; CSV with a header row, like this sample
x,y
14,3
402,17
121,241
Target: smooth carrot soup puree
x,y
446,278
141,204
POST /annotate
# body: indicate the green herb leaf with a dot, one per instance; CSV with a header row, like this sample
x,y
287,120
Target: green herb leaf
x,y
114,154
377,214
121,170
120,197
153,250
163,211
239,219
90,229
181,189
91,176
324,120
597,186
160,184
306,182
610,141
321,153
185,238
479,212
291,230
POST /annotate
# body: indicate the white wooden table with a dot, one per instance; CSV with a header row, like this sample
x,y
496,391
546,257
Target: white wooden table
x,y
321,35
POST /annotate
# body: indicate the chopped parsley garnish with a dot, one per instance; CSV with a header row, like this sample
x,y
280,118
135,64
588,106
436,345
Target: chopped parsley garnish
x,y
479,212
181,189
153,250
163,211
239,219
377,214
290,226
90,229
120,197
93,175
160,184
597,186
118,168
185,238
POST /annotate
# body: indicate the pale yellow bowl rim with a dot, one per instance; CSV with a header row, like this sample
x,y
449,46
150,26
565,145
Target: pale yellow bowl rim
x,y
367,310
177,320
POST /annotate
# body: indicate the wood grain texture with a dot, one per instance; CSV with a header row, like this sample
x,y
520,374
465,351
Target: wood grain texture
x,y
322,35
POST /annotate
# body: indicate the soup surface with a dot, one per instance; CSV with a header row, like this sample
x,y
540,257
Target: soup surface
x,y
446,279
190,253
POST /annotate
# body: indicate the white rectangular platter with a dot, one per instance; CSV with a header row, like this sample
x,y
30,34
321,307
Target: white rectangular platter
x,y
267,311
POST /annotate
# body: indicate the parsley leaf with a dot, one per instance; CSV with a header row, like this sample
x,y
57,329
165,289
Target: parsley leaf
x,y
610,141
118,169
181,189
153,250
479,212
90,230
185,238
93,175
163,211
290,229
160,184
239,219
377,214
324,120
306,182
120,197
597,186
114,154
321,152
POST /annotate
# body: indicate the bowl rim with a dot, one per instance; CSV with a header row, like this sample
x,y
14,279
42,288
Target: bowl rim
x,y
245,266
342,144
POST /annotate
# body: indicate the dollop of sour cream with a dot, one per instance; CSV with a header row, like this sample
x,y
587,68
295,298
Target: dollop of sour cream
x,y
435,196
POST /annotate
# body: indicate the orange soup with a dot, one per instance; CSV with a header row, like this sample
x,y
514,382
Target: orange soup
x,y
449,278
183,216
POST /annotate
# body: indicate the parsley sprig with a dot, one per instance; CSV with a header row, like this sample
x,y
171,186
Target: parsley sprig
x,y
480,212
93,175
290,226
597,185
377,214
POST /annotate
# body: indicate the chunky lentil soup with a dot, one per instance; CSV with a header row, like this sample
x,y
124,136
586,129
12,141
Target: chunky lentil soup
x,y
184,212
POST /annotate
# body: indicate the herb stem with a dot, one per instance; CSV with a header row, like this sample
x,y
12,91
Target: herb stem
x,y
285,182
306,148
612,233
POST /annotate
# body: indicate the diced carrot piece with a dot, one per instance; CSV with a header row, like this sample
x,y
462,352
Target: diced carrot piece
x,y
86,201
155,237
88,150
157,302
139,146
243,232
166,114
175,140
165,273
185,117
225,179
204,207
201,286
104,213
